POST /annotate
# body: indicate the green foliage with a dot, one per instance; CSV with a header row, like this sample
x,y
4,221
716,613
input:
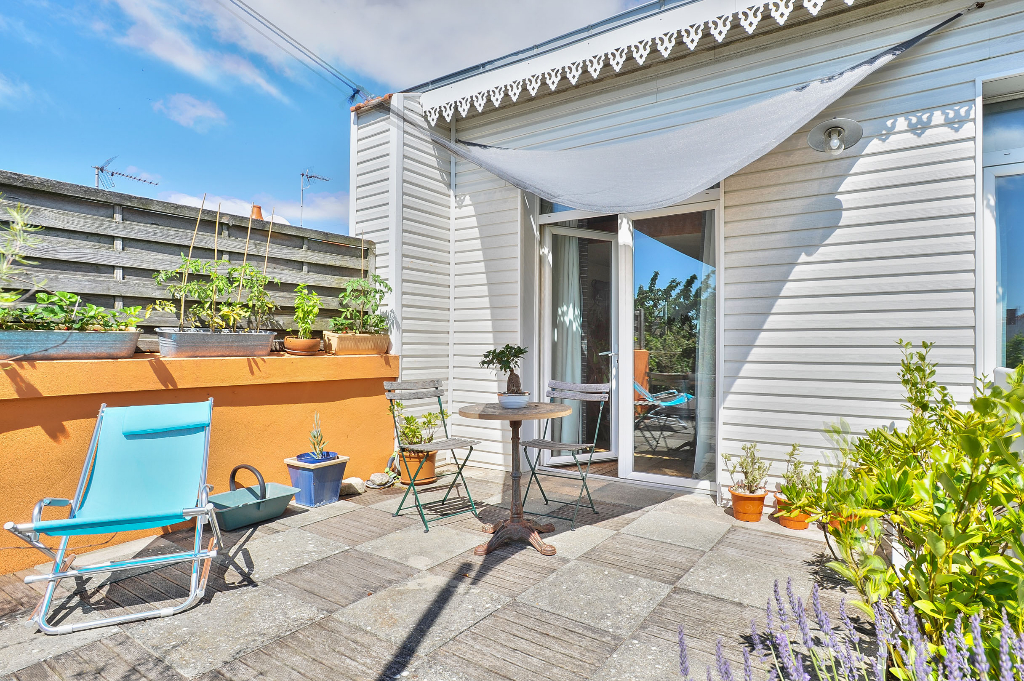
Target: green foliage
x,y
64,311
210,291
307,307
15,239
671,320
258,307
800,483
944,492
316,438
753,470
362,299
506,360
414,430
1015,350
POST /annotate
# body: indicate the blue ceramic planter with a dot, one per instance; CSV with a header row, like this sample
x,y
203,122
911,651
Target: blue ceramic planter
x,y
318,480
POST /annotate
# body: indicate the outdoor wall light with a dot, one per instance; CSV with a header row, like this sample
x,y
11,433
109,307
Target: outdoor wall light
x,y
835,135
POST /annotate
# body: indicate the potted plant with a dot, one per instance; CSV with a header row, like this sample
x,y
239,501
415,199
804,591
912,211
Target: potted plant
x,y
413,430
307,307
360,328
796,493
507,360
317,473
209,327
748,494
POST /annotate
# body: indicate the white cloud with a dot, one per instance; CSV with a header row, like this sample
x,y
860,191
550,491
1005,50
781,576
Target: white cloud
x,y
326,210
139,172
13,92
190,112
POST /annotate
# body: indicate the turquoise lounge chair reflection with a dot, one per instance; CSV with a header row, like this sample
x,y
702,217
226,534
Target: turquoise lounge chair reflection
x,y
145,468
657,409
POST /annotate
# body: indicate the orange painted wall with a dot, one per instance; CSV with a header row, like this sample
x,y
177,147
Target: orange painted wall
x,y
262,413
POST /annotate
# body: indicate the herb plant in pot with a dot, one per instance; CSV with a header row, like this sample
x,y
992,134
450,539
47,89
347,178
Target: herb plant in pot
x,y
307,307
317,473
507,360
748,493
417,430
360,328
796,493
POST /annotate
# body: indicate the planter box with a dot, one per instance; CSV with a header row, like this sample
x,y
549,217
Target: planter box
x,y
205,343
33,345
356,343
319,482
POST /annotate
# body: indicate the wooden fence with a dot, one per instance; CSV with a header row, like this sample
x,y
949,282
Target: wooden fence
x,y
105,246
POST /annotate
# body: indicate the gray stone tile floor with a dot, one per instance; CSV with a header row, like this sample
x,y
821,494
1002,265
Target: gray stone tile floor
x,y
348,591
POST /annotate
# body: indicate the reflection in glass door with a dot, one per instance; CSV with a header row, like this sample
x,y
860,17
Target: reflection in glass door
x,y
674,364
1007,196
581,336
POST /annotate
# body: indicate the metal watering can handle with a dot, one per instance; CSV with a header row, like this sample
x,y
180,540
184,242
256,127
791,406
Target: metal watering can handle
x,y
259,478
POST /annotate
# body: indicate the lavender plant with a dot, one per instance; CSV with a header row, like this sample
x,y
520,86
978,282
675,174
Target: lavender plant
x,y
797,645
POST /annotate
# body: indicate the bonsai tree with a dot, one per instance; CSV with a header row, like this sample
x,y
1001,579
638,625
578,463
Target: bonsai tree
x,y
752,469
307,307
506,360
361,302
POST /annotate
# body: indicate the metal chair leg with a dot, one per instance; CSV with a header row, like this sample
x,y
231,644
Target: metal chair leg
x,y
534,475
458,475
412,488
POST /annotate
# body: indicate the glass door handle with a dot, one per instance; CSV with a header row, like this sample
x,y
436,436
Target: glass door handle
x,y
613,355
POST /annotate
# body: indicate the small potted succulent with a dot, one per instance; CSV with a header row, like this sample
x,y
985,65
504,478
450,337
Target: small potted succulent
x,y
307,307
796,493
317,473
360,328
748,493
507,360
417,430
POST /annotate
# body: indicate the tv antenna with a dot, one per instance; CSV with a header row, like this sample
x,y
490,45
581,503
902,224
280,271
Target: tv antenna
x,y
105,176
306,179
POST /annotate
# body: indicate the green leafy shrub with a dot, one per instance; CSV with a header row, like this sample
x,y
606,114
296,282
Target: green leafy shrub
x,y
800,484
210,292
413,430
362,299
63,311
933,509
752,469
307,307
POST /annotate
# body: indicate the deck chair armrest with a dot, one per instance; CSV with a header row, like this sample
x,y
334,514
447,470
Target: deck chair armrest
x,y
37,512
665,393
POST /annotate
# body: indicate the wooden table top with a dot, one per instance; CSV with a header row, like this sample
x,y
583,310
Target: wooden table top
x,y
531,412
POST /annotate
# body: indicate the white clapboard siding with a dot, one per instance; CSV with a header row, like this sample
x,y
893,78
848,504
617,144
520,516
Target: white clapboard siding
x,y
827,261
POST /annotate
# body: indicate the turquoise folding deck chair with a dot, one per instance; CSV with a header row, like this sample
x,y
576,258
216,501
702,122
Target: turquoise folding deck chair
x,y
145,468
659,407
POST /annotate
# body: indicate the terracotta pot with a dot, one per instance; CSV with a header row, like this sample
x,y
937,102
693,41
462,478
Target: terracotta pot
x,y
747,507
356,343
426,475
797,522
294,345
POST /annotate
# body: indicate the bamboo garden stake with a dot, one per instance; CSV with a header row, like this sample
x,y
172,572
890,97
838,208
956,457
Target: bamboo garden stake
x,y
269,232
184,277
216,233
245,256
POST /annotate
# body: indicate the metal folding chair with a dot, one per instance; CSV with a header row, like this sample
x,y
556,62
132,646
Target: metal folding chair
x,y
145,468
659,408
402,391
585,392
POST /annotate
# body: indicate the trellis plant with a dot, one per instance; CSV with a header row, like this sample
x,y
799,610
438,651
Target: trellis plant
x,y
209,290
307,307
506,360
361,300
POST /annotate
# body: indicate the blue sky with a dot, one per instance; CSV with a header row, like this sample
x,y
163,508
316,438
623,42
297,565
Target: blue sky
x,y
184,93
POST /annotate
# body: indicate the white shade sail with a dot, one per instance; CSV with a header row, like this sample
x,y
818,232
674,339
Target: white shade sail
x,y
650,172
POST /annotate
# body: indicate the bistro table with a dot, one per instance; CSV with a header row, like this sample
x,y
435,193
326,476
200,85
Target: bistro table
x,y
516,528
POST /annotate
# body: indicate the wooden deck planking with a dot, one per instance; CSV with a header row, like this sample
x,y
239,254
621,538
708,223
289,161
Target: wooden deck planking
x,y
359,526
15,595
692,610
666,563
344,578
510,570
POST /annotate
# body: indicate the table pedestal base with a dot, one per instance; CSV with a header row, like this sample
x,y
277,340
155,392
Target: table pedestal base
x,y
513,530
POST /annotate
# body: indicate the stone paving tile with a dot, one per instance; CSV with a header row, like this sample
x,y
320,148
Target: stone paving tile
x,y
596,595
424,612
233,623
701,506
630,495
342,579
643,657
655,560
574,543
21,646
270,555
509,570
419,549
359,526
519,641
115,657
673,528
297,516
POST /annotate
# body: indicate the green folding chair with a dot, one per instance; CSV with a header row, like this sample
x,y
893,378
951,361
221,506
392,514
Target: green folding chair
x,y
584,392
403,391
145,468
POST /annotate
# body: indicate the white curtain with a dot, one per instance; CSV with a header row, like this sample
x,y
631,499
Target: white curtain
x,y
704,459
567,341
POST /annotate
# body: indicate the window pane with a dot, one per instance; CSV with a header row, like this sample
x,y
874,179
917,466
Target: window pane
x,y
1009,197
1003,125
